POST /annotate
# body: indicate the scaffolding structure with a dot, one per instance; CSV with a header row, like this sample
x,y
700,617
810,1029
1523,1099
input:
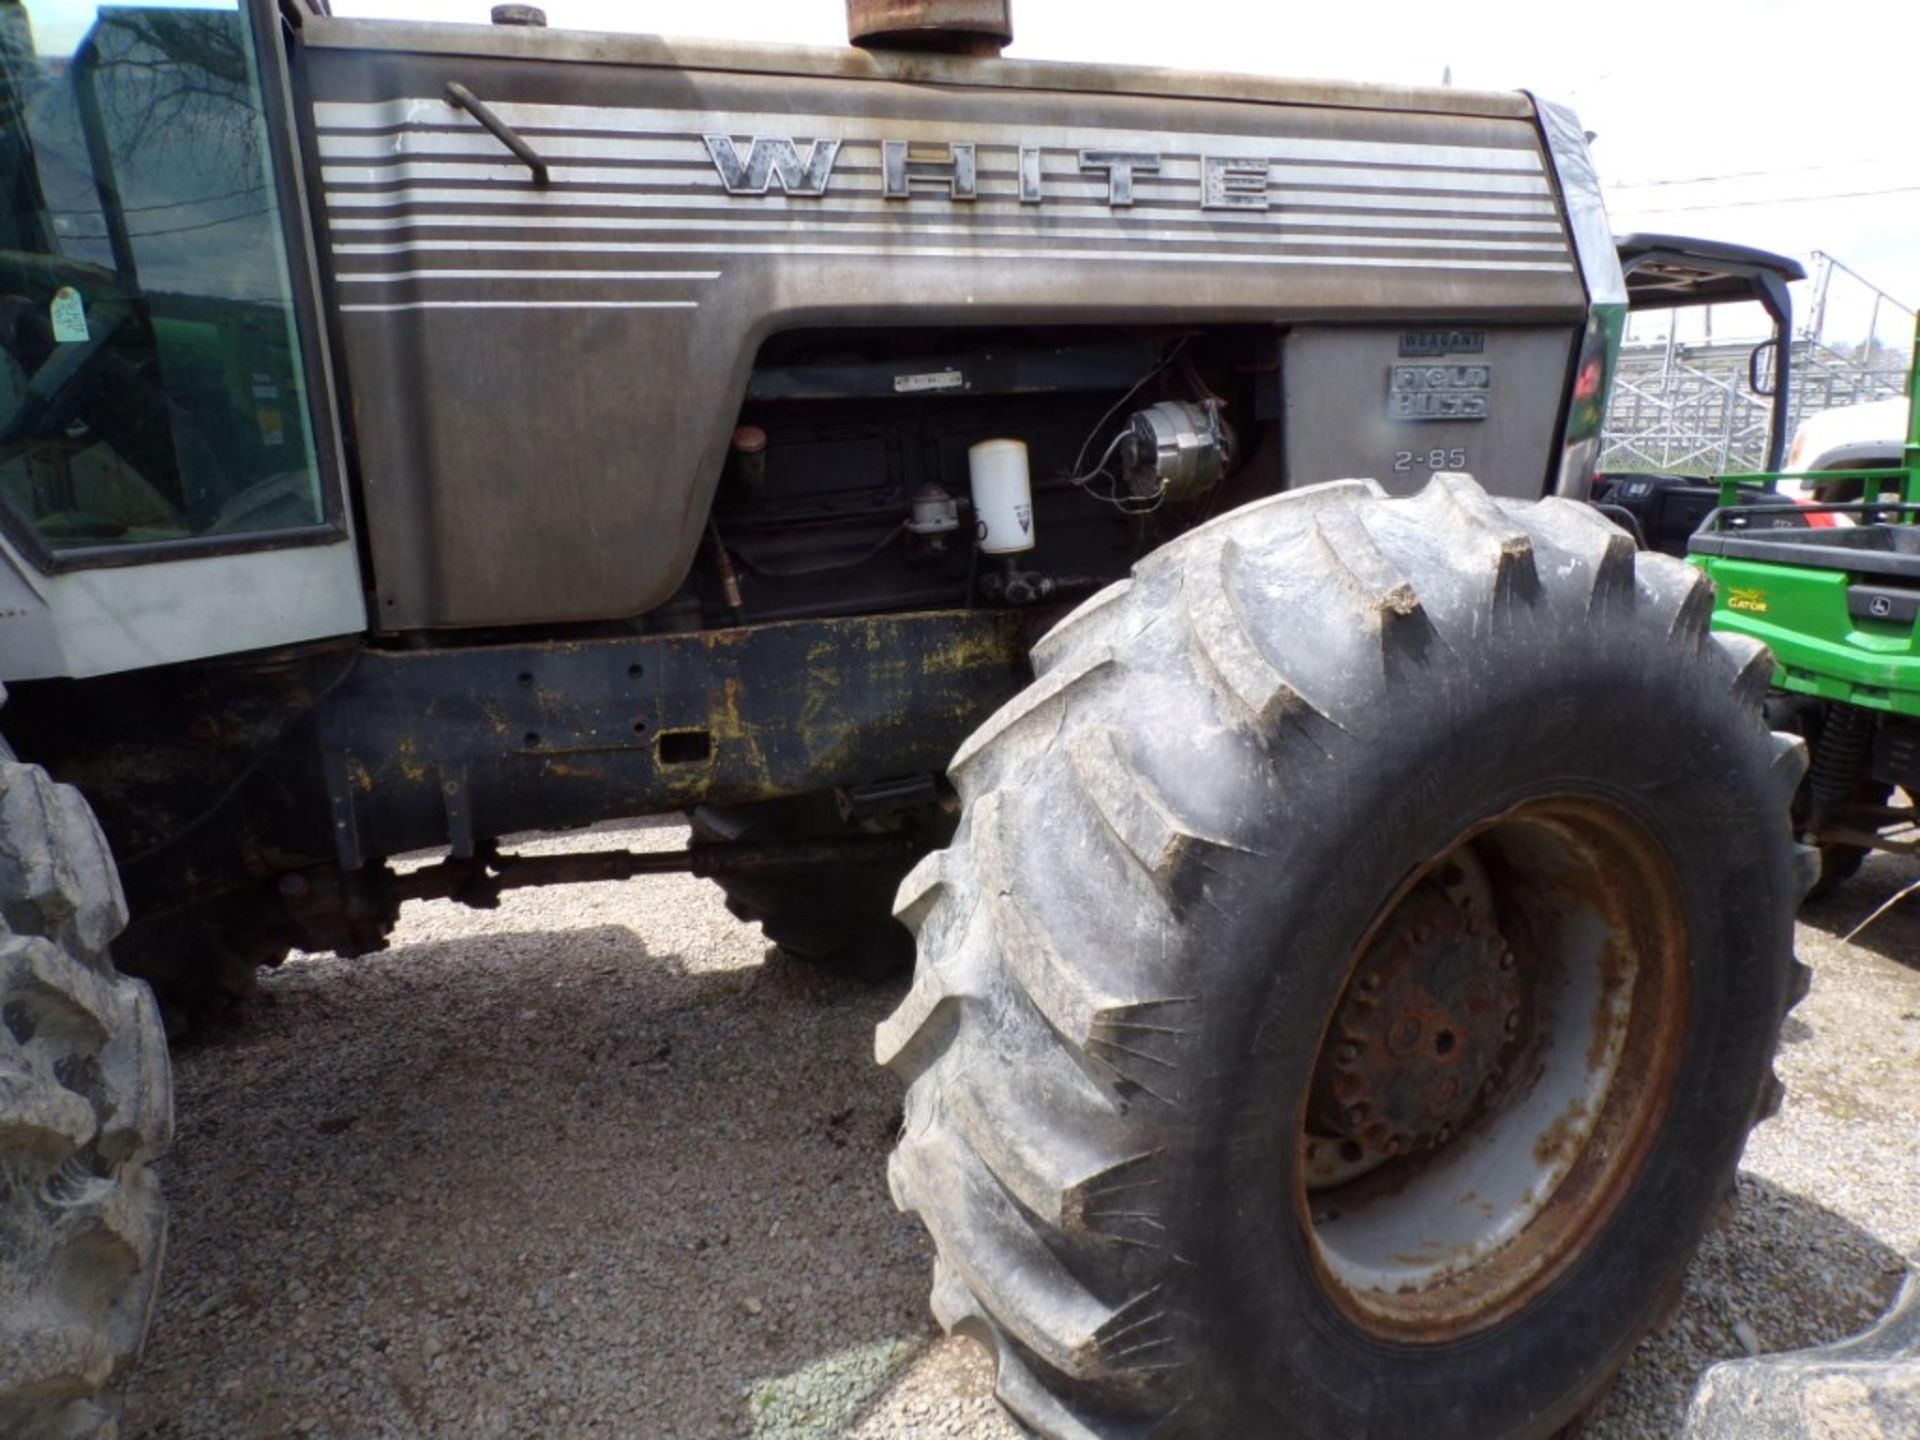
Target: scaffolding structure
x,y
1683,403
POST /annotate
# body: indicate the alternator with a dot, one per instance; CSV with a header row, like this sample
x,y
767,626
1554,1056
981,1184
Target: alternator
x,y
1175,449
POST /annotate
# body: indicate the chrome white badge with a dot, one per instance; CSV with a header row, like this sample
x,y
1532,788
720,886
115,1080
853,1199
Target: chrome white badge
x,y
951,171
773,158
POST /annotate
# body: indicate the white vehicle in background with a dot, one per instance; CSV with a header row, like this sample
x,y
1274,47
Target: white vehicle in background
x,y
1850,437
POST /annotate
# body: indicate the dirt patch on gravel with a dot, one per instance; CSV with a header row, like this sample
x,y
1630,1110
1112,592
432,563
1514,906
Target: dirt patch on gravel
x,y
588,1165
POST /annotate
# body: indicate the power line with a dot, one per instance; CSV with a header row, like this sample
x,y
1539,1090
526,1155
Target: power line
x,y
1740,174
168,204
1772,200
179,229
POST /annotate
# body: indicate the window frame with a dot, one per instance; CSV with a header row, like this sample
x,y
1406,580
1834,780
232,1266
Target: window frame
x,y
264,22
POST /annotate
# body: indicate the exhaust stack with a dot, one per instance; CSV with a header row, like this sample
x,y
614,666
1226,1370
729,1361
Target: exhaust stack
x,y
945,27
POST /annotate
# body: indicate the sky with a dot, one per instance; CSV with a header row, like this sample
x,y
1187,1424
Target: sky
x,y
1783,125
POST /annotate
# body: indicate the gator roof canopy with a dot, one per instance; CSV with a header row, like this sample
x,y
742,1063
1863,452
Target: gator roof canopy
x,y
1668,270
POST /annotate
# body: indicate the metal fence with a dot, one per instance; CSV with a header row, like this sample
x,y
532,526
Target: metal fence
x,y
1682,404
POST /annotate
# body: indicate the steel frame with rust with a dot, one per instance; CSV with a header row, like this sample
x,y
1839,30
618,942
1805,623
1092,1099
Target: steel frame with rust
x,y
279,784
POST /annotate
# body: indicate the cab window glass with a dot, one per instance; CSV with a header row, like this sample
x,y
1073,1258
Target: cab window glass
x,y
150,380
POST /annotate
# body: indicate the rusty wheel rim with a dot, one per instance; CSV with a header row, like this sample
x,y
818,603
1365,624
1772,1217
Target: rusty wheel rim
x,y
1490,1080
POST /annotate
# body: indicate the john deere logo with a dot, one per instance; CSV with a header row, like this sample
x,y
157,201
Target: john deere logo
x,y
1754,602
1880,607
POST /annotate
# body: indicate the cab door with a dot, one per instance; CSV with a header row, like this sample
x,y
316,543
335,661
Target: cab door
x,y
170,484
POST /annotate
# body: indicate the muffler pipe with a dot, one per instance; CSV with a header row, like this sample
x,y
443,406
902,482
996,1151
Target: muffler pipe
x,y
946,27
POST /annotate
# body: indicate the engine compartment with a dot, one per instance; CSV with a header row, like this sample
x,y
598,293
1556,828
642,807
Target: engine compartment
x,y
851,485
849,490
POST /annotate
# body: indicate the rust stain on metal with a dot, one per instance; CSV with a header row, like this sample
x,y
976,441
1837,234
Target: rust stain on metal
x,y
973,650
566,770
1422,1033
1638,1026
1609,1014
405,755
1560,1142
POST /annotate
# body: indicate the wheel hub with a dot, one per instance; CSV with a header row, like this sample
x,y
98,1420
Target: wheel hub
x,y
1423,1034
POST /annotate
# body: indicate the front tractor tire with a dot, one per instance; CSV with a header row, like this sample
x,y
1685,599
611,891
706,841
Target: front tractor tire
x,y
1360,961
85,1105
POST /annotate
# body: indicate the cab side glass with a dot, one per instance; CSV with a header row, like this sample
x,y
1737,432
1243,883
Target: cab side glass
x,y
151,388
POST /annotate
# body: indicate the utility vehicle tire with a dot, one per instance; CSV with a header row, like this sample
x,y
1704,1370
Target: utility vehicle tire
x,y
1838,864
1809,718
1358,966
85,1104
841,919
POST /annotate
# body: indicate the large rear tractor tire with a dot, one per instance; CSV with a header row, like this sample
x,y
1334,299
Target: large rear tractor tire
x,y
85,1104
1357,969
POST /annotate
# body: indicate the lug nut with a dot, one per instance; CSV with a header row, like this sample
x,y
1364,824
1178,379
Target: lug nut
x,y
1357,1116
1347,1053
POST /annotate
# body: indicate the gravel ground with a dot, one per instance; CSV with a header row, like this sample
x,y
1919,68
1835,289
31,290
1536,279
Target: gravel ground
x,y
594,1164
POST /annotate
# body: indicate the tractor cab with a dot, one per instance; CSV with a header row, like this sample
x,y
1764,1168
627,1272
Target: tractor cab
x,y
1662,508
168,483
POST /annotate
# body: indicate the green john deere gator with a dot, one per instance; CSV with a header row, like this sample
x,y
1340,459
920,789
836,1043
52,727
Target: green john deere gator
x,y
1839,606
